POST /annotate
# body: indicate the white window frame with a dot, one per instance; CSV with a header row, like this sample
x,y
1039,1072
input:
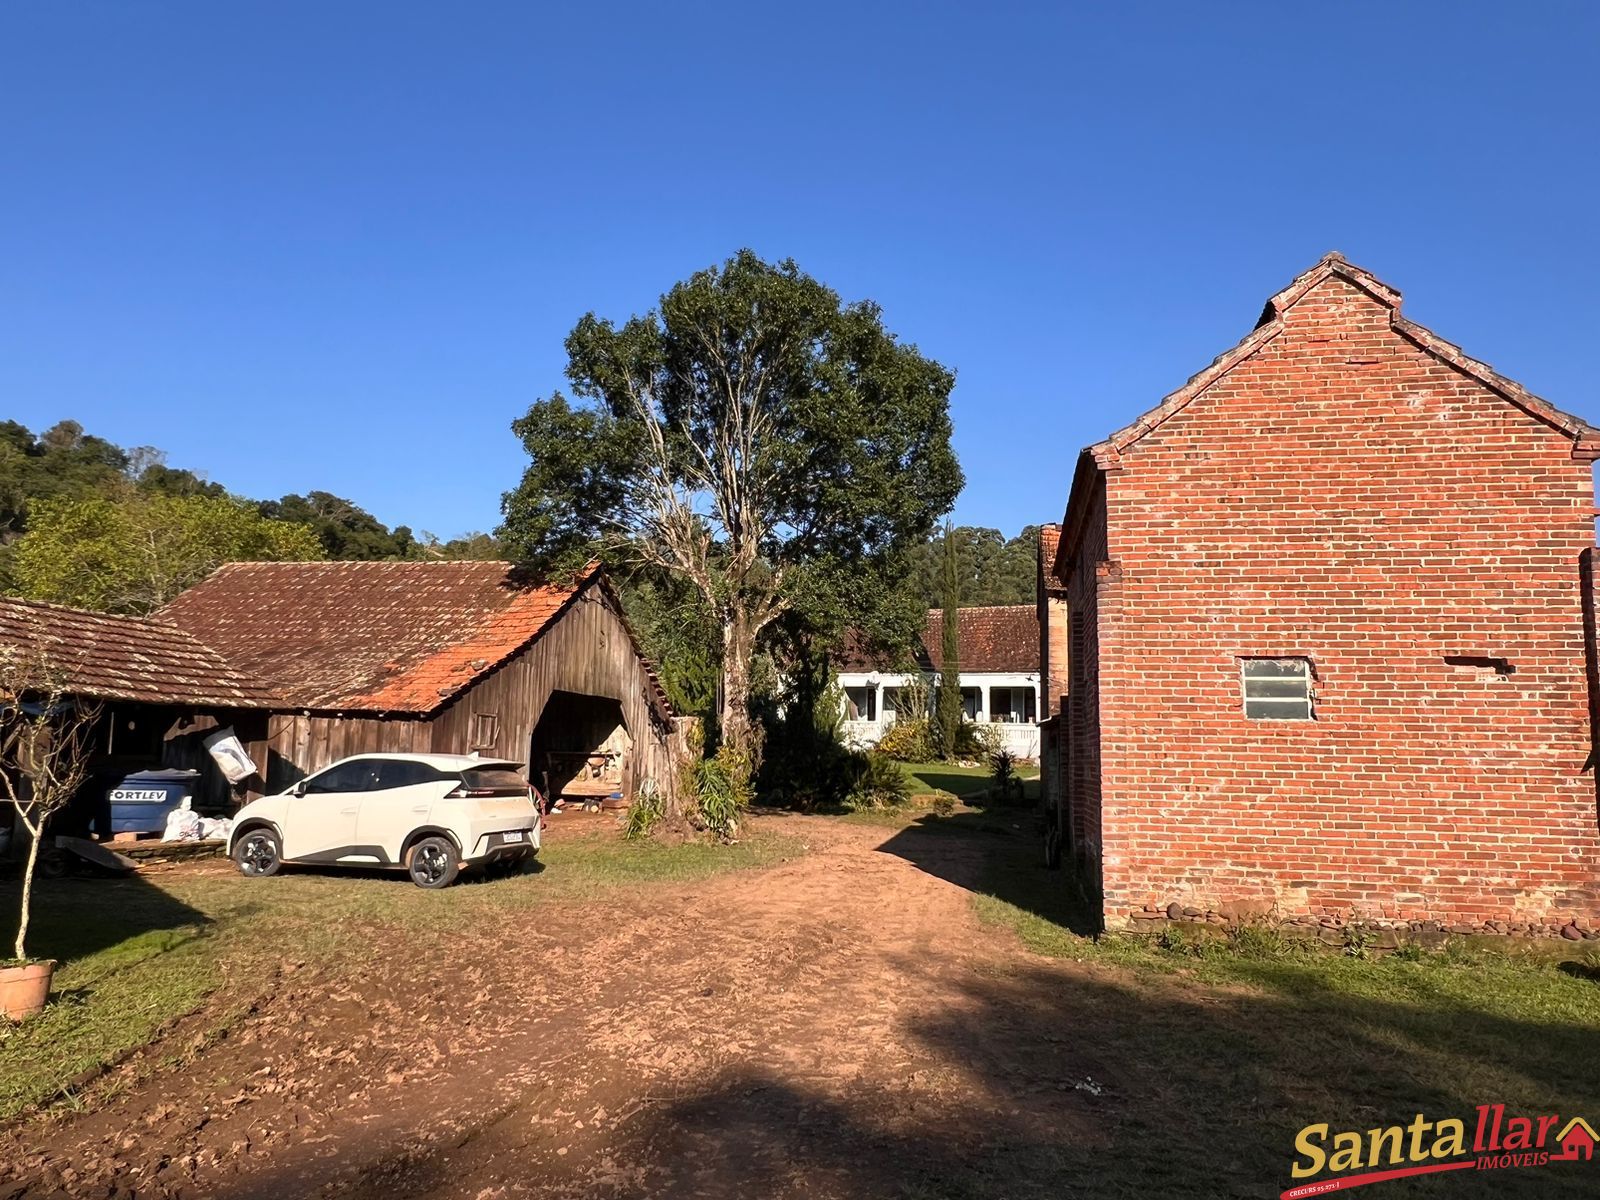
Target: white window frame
x,y
1307,673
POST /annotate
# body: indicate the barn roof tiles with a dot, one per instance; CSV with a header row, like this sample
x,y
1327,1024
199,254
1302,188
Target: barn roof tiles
x,y
397,637
109,657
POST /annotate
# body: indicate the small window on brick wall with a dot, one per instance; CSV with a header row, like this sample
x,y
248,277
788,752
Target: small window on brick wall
x,y
1277,689
485,730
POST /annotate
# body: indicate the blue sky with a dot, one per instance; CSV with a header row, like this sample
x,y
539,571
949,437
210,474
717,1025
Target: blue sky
x,y
338,246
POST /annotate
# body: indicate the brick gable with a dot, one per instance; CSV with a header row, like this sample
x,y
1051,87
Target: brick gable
x,y
1348,488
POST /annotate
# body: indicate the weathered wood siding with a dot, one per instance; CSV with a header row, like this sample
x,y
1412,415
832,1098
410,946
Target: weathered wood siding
x,y
587,651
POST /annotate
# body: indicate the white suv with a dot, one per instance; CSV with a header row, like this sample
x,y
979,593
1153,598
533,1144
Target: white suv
x,y
428,814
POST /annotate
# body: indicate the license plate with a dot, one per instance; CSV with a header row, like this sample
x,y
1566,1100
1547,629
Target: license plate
x,y
514,836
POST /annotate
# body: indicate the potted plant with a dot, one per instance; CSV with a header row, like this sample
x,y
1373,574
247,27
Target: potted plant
x,y
44,743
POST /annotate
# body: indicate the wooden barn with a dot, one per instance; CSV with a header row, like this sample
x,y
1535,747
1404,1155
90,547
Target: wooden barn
x,y
441,657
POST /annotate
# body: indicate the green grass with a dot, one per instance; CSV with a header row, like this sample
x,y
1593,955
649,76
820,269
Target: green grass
x,y
1265,1033
137,953
964,782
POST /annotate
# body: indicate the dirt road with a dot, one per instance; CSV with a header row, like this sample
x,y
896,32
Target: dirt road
x,y
837,1025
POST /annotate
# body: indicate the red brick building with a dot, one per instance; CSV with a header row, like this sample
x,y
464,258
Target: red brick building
x,y
1327,632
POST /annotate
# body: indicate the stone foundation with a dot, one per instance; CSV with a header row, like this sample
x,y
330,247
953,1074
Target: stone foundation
x,y
1338,930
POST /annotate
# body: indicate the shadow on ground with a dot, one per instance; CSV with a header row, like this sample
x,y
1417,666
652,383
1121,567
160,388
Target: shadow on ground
x,y
76,917
998,852
1050,1081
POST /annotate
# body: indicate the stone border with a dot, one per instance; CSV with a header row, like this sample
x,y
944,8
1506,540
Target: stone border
x,y
1335,929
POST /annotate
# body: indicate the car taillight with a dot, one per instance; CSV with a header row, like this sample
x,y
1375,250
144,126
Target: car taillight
x,y
468,793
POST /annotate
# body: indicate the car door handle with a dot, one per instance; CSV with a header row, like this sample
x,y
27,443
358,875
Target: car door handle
x,y
347,812
422,808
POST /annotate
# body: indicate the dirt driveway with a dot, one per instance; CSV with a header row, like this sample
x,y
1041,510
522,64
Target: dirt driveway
x,y
837,1025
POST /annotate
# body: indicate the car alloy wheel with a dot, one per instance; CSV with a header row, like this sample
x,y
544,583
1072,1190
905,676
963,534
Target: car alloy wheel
x,y
257,855
433,863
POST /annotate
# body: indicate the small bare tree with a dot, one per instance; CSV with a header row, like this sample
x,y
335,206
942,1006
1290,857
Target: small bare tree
x,y
45,737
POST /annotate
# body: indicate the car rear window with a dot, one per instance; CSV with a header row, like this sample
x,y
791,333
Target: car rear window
x,y
495,779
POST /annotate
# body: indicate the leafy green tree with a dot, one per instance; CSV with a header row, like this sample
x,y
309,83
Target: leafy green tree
x,y
469,547
347,531
63,461
133,553
753,437
948,704
993,569
679,635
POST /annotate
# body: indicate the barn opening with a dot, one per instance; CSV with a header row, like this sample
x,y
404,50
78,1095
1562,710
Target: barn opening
x,y
581,749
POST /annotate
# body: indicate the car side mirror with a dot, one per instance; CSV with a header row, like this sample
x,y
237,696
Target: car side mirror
x,y
298,789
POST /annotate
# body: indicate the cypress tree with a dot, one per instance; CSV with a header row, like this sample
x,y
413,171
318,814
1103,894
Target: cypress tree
x,y
949,703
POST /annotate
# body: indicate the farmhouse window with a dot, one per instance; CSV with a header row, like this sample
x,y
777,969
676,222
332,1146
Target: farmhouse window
x,y
862,703
1277,689
485,730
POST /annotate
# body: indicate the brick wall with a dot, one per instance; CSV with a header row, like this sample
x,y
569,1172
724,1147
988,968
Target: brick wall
x,y
1344,496
1081,740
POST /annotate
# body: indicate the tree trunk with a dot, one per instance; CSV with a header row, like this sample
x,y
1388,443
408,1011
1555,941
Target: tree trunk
x,y
738,648
27,895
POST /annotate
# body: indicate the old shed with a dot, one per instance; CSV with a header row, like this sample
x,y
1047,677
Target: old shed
x,y
442,657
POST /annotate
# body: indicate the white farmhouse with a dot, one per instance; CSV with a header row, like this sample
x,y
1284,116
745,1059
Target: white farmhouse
x,y
999,661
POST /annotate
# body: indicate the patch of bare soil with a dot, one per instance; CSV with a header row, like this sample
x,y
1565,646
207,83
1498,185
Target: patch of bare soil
x,y
838,1025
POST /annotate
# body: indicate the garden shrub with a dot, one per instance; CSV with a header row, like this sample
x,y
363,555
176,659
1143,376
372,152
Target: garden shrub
x,y
648,809
974,741
879,784
722,791
1005,783
909,741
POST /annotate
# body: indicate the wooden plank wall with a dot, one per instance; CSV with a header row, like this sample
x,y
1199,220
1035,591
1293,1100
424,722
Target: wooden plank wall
x,y
297,744
587,651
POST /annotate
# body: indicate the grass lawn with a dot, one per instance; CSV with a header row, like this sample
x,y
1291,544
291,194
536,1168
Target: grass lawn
x,y
1226,1047
964,782
137,953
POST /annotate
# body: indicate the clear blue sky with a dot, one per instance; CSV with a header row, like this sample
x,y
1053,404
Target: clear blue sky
x,y
338,245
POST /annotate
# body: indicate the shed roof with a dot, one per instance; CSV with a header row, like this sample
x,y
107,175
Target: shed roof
x,y
996,637
400,637
104,656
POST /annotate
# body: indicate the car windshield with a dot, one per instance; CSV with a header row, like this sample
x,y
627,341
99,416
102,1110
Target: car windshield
x,y
494,779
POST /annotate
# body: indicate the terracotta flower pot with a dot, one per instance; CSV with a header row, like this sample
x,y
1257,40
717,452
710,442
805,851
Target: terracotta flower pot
x,y
24,989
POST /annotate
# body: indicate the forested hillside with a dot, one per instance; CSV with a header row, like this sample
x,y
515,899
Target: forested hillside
x,y
86,522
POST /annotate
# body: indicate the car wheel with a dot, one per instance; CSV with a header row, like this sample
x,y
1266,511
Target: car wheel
x,y
258,854
433,863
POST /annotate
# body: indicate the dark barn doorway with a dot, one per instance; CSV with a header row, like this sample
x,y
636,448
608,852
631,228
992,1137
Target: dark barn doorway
x,y
581,749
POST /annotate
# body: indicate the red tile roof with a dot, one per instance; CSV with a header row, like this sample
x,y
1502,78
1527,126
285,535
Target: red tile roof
x,y
999,637
107,657
400,637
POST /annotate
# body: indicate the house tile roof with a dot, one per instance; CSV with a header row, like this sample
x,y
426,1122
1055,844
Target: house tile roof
x,y
108,657
400,637
999,637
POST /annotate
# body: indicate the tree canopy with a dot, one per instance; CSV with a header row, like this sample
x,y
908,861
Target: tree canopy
x,y
778,450
991,568
89,500
135,552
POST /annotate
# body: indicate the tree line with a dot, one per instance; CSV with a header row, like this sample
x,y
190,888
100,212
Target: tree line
x,y
91,524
